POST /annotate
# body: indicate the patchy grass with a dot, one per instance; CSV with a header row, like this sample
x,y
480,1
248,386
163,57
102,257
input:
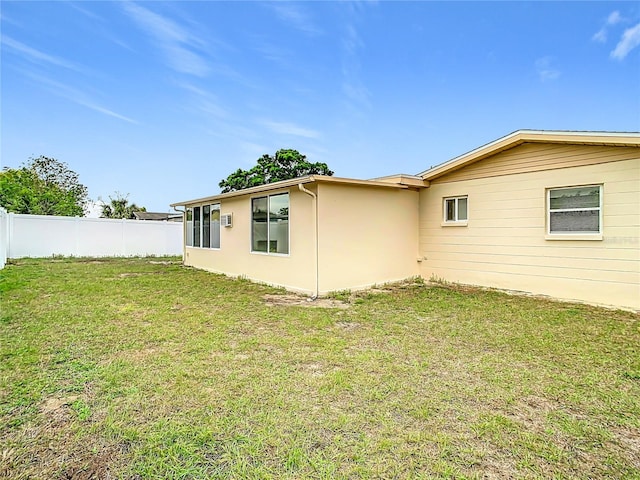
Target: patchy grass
x,y
138,368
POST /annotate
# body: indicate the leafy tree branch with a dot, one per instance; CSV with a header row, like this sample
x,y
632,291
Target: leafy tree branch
x,y
43,186
285,165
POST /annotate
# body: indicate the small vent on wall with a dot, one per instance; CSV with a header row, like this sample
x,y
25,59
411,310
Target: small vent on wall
x,y
226,220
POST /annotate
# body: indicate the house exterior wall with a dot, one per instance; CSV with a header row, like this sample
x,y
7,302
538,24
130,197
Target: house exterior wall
x,y
536,157
367,236
504,243
294,271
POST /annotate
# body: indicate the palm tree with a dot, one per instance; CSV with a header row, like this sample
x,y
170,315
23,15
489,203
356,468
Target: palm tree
x,y
119,207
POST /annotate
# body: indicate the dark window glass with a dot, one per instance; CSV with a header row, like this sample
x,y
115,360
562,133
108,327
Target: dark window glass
x,y
206,226
196,226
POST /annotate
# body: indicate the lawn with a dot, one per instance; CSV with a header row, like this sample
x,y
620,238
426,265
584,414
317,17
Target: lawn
x,y
142,368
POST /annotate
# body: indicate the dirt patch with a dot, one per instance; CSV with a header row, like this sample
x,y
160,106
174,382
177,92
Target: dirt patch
x,y
532,411
313,369
54,450
347,325
288,300
139,274
134,356
54,405
629,440
90,466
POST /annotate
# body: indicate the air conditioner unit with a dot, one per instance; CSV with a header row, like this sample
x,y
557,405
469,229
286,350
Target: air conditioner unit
x,y
226,220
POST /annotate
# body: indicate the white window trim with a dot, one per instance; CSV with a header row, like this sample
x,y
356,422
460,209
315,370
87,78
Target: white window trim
x,y
549,235
454,223
201,207
267,253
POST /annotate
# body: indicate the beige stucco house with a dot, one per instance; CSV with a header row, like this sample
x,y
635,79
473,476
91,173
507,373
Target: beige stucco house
x,y
552,213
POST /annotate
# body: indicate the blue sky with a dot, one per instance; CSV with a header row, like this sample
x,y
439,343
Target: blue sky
x,y
161,100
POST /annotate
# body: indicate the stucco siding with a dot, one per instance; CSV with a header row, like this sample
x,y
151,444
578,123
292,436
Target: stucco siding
x,y
294,271
532,157
505,245
367,236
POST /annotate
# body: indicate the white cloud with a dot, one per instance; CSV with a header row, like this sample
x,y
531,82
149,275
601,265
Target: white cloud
x,y
37,56
294,16
600,36
176,42
286,128
546,70
92,106
205,101
185,61
156,25
357,95
613,19
273,53
84,11
78,97
352,41
630,40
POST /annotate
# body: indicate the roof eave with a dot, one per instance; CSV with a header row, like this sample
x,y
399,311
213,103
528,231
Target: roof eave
x,y
247,191
519,137
286,184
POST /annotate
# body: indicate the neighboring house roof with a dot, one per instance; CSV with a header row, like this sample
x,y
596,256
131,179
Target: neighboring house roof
x,y
625,139
157,216
290,183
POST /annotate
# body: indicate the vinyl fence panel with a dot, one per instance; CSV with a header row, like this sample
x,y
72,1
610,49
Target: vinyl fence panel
x,y
45,236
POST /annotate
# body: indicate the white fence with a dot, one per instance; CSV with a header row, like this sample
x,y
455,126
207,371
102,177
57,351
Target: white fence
x,y
4,236
45,236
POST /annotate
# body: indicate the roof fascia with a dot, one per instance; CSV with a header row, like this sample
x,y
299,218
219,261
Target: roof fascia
x,y
402,179
631,139
356,182
247,191
289,183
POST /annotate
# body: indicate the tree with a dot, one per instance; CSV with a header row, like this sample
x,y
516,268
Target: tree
x,y
120,207
286,164
43,186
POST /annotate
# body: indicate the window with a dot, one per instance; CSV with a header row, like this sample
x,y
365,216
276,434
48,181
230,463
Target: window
x,y
270,224
206,226
189,227
203,226
575,210
455,209
215,225
196,226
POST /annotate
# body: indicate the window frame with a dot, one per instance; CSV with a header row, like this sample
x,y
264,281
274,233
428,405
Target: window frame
x,y
268,197
574,235
188,226
201,228
456,222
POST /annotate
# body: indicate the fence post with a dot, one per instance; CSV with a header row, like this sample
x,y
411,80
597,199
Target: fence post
x,y
4,237
76,226
10,234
